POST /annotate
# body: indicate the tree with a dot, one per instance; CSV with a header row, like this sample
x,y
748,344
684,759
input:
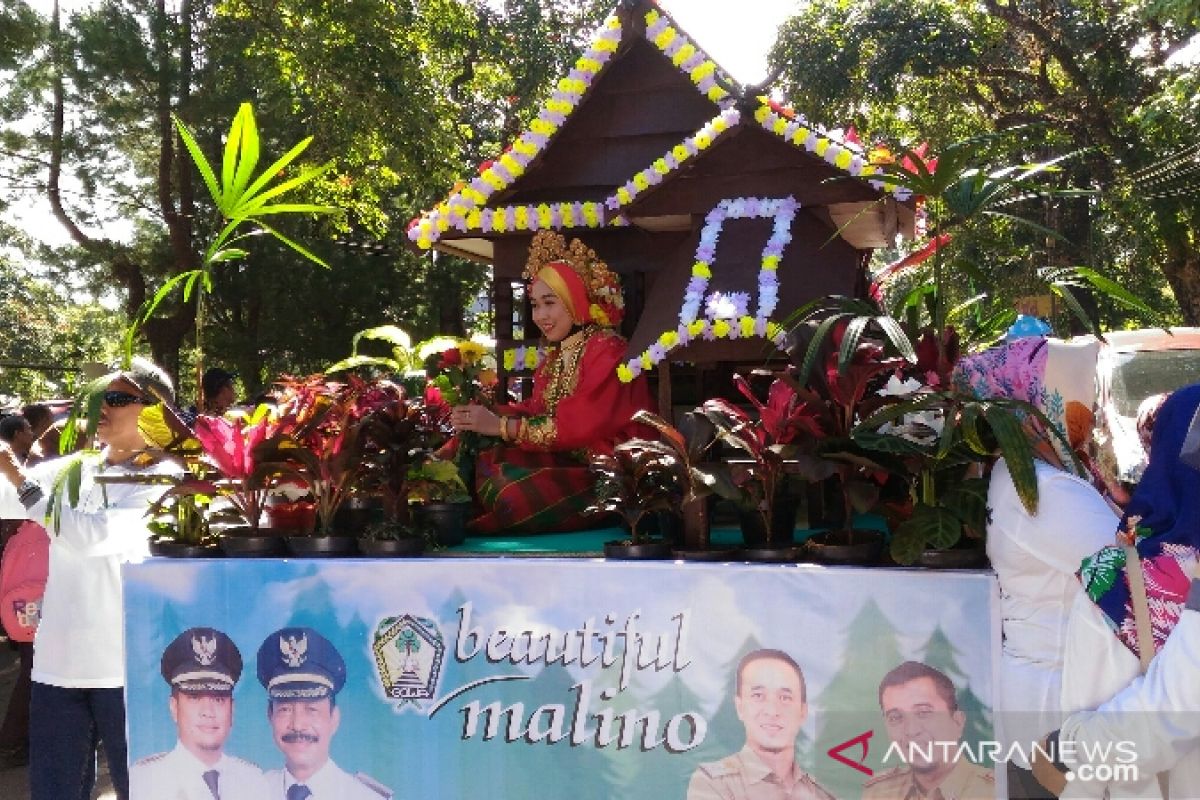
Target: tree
x,y
1097,76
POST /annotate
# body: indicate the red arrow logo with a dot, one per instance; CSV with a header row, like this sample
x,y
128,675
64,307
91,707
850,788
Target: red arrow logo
x,y
835,752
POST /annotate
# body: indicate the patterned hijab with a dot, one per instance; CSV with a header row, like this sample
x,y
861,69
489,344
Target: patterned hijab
x,y
1167,500
1057,376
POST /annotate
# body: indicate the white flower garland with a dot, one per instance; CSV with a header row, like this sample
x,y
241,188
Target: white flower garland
x,y
726,314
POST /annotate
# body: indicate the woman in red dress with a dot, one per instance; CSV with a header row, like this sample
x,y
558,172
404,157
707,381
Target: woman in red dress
x,y
538,479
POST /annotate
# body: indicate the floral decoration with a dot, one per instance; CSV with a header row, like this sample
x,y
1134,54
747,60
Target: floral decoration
x,y
835,147
496,175
726,315
690,59
463,373
523,357
673,159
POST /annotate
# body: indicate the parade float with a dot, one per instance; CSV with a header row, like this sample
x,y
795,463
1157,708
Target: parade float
x,y
519,666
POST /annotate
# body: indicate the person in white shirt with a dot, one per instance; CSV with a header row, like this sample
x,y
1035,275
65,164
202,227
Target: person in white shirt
x,y
77,698
201,665
1035,555
1160,712
303,672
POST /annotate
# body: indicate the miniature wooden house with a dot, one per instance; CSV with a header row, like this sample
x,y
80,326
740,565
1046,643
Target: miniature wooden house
x,y
723,213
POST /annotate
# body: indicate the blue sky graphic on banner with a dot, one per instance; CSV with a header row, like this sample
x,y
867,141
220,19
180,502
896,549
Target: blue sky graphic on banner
x,y
513,678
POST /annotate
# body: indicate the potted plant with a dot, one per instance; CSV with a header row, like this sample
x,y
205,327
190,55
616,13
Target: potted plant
x,y
442,499
320,449
394,439
839,396
943,438
179,520
234,447
633,483
684,449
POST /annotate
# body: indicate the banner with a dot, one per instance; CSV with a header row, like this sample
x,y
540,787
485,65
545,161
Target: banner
x,y
548,678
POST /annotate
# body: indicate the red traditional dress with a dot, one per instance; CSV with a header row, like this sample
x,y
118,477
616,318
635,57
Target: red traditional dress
x,y
579,407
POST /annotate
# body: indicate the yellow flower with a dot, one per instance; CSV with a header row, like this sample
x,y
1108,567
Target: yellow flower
x,y
641,182
716,94
680,152
664,38
646,362
760,114
590,216
660,166
822,146
624,373
510,360
623,195
424,243
719,125
701,270
531,358
492,179
799,136
770,263
703,71
473,218
651,17
779,126
589,65
703,140
568,215
606,45
541,126
843,159
499,224
521,218
773,330
668,339
696,327
747,326
443,224
543,216
683,54
598,316
721,328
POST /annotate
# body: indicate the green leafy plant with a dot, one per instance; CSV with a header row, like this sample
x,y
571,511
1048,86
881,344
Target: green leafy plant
x,y
245,202
437,481
941,437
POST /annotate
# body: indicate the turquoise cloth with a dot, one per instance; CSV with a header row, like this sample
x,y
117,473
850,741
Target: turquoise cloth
x,y
591,543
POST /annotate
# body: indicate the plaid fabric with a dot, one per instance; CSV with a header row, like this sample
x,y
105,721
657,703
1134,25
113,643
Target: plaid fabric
x,y
532,492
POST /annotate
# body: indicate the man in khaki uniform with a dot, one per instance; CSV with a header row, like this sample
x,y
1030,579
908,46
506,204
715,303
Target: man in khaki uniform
x,y
925,724
771,703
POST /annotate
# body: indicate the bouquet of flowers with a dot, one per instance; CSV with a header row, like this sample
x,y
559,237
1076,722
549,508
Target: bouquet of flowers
x,y
463,373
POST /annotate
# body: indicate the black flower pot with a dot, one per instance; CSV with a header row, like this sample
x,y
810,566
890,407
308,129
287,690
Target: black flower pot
x,y
449,521
237,545
391,548
774,554
783,523
321,546
835,547
356,513
625,549
170,549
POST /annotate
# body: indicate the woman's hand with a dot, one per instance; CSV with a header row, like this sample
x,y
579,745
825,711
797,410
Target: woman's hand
x,y
476,418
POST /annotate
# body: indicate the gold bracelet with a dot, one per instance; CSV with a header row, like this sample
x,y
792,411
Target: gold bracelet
x,y
504,430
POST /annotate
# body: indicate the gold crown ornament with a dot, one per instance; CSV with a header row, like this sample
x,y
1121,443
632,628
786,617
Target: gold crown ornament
x,y
606,304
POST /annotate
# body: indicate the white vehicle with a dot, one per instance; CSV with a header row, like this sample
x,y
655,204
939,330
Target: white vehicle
x,y
1134,366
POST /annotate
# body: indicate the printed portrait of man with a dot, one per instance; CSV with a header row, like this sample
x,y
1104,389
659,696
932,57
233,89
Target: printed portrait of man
x,y
771,700
921,713
201,666
303,672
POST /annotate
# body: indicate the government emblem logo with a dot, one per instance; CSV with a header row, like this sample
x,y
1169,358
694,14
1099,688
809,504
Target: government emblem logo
x,y
408,657
205,649
294,649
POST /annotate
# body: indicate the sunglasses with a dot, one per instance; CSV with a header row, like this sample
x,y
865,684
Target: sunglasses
x,y
114,399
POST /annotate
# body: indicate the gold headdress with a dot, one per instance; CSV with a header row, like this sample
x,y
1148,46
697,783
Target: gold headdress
x,y
606,305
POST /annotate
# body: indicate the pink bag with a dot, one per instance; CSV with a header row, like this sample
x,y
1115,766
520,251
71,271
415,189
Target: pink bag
x,y
23,570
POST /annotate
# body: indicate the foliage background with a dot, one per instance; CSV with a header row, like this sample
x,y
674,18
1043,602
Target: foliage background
x,y
410,95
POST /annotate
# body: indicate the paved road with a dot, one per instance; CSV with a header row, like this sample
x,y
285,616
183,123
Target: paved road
x,y
14,783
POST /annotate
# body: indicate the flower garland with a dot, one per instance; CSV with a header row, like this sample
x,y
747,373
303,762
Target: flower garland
x,y
523,357
846,156
674,158
497,175
690,59
726,315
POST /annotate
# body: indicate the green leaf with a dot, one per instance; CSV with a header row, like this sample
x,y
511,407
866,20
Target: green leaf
x,y
193,148
272,171
295,246
229,163
967,498
1017,451
353,362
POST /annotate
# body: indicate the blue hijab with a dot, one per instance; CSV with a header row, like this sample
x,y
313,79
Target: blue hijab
x,y
1167,500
